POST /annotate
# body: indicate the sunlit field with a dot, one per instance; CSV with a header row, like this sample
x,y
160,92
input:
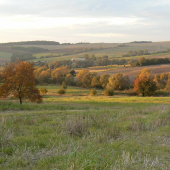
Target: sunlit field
x,y
79,131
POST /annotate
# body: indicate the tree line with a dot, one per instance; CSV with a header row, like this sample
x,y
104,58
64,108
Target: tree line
x,y
144,81
22,57
30,49
20,79
31,43
150,61
143,52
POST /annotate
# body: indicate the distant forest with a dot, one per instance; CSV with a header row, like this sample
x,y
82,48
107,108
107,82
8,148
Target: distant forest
x,y
30,49
141,42
31,43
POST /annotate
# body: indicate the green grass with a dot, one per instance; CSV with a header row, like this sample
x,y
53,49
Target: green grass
x,y
69,57
75,131
146,56
44,54
114,53
5,55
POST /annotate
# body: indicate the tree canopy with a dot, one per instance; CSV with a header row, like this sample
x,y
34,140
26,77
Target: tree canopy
x,y
19,81
119,81
144,83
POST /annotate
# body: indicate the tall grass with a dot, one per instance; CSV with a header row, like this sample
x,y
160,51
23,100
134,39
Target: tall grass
x,y
104,135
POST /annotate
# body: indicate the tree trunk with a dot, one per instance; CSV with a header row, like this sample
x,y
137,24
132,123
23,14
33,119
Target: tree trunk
x,y
20,99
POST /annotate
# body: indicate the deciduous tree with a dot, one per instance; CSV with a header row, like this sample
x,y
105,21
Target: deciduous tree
x,y
104,79
119,81
69,79
96,82
19,81
144,84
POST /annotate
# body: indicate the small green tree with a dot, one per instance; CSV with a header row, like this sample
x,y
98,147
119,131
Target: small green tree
x,y
64,86
61,91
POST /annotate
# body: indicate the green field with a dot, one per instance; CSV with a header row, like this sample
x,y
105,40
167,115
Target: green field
x,y
110,49
77,131
4,57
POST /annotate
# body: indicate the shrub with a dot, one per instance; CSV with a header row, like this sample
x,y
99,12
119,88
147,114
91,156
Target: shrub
x,y
43,90
161,93
61,91
93,92
64,86
131,92
108,92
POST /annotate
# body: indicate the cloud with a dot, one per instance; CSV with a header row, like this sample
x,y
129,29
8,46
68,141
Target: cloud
x,y
24,22
98,20
102,35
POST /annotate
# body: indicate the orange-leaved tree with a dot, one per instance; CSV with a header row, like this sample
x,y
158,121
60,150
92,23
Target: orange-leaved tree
x,y
144,83
19,81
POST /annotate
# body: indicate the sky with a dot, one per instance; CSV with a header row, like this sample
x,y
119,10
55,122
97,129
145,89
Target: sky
x,y
95,21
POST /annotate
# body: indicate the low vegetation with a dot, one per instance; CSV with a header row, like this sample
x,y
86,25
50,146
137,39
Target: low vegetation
x,y
93,133
86,121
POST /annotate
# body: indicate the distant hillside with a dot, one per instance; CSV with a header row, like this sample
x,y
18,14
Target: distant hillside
x,y
141,42
31,43
30,49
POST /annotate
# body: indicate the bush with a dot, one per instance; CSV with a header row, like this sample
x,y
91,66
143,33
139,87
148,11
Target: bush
x,y
93,92
64,86
161,93
43,90
61,91
108,92
131,92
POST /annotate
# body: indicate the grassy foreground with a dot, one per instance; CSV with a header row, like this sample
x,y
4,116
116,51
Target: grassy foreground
x,y
84,132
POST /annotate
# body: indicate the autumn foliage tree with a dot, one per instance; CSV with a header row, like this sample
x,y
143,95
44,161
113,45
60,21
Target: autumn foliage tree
x,y
69,79
19,81
119,82
43,90
104,79
144,83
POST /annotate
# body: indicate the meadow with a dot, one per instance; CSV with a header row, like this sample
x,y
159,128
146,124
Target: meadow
x,y
78,131
4,57
99,49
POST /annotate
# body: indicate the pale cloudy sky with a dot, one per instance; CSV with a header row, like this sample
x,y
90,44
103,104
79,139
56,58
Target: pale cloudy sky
x,y
85,20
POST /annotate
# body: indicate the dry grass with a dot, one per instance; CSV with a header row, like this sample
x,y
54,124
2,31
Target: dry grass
x,y
133,71
76,127
108,136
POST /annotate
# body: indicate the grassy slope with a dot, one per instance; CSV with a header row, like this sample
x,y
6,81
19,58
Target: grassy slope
x,y
112,51
4,57
76,132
